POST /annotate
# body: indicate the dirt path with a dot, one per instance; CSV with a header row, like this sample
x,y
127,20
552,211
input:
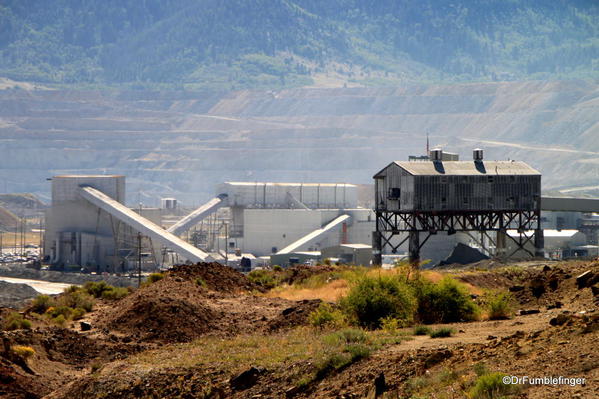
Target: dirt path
x,y
477,332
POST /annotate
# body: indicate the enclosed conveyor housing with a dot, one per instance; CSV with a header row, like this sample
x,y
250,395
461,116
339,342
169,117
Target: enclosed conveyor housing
x,y
198,215
568,204
143,225
310,238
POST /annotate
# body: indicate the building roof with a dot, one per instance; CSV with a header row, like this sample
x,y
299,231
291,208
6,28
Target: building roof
x,y
547,233
85,176
464,168
244,183
356,246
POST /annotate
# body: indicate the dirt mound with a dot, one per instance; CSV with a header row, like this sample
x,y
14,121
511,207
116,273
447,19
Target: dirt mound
x,y
59,356
15,295
171,310
165,318
179,308
294,316
216,277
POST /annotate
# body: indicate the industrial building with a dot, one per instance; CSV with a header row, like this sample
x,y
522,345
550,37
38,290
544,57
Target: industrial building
x,y
351,254
281,218
478,197
88,226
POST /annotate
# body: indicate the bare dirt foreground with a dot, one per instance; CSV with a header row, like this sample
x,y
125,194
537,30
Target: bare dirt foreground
x,y
206,331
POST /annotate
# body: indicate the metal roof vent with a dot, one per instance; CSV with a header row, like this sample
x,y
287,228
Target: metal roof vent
x,y
477,154
436,154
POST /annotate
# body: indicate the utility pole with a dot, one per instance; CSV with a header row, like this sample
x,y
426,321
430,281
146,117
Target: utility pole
x,y
138,260
226,244
16,234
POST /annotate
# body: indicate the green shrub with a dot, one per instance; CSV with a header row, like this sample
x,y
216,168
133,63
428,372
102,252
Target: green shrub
x,y
201,282
59,320
62,310
41,303
445,302
442,332
77,299
391,324
480,369
115,293
15,321
346,336
77,313
357,352
500,306
326,316
421,330
96,289
277,268
153,277
263,278
373,298
72,288
491,386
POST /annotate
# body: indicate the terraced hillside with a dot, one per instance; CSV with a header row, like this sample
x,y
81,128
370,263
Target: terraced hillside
x,y
183,143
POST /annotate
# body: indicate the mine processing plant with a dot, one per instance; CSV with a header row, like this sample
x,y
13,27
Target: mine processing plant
x,y
89,225
430,197
266,218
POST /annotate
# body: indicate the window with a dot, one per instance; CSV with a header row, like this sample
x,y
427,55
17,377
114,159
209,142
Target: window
x,y
490,179
394,193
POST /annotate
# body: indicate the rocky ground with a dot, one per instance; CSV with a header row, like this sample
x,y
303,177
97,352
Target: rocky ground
x,y
205,331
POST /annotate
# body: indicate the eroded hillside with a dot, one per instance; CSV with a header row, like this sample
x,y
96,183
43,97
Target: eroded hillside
x,y
183,143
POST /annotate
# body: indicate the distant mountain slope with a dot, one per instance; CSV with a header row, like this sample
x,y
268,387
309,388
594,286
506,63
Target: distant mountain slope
x,y
283,43
182,143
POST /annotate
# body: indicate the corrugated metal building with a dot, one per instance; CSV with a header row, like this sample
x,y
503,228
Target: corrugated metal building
x,y
458,186
451,196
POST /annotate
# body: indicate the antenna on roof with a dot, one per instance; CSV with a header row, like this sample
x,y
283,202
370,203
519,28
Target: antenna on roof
x,y
427,150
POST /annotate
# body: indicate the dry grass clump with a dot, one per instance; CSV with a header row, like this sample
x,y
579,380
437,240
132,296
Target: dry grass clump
x,y
24,352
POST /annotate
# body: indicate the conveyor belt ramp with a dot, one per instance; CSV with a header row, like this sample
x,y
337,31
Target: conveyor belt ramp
x,y
316,234
143,225
196,216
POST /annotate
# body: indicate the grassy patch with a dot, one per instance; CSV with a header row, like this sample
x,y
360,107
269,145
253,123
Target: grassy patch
x,y
237,353
500,306
264,278
325,316
432,385
153,277
422,330
327,351
442,332
15,321
491,386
